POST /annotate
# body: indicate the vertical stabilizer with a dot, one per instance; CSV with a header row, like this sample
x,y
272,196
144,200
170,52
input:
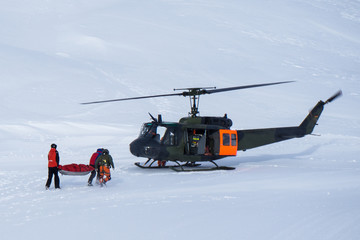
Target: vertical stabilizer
x,y
310,121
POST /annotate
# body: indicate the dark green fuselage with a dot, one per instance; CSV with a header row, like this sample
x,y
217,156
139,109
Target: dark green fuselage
x,y
196,139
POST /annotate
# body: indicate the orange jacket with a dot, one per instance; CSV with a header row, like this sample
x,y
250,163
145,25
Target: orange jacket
x,y
52,158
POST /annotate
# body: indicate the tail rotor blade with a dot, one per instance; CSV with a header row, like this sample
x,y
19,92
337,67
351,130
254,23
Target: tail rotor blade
x,y
336,95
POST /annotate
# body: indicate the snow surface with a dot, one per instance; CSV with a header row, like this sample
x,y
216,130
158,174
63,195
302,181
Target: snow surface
x,y
57,54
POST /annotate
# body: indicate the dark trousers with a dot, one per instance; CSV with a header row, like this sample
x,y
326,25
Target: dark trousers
x,y
92,175
53,171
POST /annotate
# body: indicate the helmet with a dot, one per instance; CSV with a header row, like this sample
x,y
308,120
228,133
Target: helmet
x,y
100,150
53,145
106,151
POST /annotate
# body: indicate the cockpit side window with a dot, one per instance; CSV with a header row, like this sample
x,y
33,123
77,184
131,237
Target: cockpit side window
x,y
164,134
170,137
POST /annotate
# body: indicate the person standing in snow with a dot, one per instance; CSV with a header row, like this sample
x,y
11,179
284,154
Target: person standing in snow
x,y
93,158
103,164
53,163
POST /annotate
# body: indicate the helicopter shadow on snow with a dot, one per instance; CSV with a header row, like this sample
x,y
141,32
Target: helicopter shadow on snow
x,y
239,161
270,157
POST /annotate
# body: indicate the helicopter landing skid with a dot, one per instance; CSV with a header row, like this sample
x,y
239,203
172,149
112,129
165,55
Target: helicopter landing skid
x,y
181,169
150,166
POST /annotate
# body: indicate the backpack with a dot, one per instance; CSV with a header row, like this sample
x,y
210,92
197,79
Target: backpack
x,y
104,162
95,155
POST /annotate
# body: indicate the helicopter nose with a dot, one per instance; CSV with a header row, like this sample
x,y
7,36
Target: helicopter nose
x,y
142,148
135,148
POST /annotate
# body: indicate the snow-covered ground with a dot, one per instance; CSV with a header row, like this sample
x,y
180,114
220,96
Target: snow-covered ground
x,y
57,54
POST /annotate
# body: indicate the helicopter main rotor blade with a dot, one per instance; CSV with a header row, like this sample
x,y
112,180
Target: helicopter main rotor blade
x,y
135,98
191,92
244,87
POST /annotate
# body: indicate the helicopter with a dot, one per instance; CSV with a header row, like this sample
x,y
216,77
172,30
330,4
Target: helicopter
x,y
195,139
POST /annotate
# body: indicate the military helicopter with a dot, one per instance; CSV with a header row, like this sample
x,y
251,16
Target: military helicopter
x,y
196,139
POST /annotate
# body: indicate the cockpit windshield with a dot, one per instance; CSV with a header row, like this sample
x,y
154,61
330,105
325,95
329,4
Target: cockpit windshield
x,y
164,134
147,128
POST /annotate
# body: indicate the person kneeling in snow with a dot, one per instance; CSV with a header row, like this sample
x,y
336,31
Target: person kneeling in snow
x,y
103,164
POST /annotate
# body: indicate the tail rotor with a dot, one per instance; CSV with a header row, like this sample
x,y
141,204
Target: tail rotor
x,y
332,98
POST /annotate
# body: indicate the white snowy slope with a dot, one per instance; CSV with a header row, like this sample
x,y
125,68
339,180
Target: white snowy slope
x,y
55,55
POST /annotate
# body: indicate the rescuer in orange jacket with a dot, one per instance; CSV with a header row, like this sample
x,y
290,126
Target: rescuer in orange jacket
x,y
103,163
53,163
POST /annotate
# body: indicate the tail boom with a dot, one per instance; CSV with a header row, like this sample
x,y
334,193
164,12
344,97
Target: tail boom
x,y
253,138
